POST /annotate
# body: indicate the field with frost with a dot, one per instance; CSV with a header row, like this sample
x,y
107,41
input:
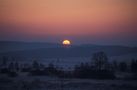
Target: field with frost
x,y
52,83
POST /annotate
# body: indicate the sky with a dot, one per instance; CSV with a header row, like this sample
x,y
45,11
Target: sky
x,y
81,21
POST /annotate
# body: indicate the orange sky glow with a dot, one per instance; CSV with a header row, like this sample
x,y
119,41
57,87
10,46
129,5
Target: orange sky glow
x,y
69,17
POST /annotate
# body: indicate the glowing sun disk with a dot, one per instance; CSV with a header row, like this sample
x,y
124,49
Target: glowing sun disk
x,y
66,42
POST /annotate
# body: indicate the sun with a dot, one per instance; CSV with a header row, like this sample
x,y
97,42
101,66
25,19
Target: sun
x,y
66,42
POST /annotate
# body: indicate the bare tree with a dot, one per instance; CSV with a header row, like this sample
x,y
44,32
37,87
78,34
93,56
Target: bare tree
x,y
100,60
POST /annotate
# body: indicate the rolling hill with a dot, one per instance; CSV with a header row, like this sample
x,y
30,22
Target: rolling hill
x,y
52,50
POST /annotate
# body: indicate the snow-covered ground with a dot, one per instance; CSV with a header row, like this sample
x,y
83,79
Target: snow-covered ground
x,y
53,83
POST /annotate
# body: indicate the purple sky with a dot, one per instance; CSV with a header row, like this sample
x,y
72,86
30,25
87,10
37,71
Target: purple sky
x,y
81,21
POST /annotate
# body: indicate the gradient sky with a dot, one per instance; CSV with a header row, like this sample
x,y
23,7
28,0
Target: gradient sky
x,y
82,21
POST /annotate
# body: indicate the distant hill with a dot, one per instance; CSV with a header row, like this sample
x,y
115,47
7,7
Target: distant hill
x,y
51,50
7,46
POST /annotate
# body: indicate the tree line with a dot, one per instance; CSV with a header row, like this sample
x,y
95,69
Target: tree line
x,y
99,68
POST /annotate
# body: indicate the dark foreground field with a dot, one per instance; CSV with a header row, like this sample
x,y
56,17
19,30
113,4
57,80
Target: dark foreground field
x,y
52,83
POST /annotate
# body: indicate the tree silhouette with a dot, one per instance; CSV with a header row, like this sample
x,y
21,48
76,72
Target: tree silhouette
x,y
123,66
17,66
11,66
115,65
35,65
4,61
133,66
100,60
51,69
